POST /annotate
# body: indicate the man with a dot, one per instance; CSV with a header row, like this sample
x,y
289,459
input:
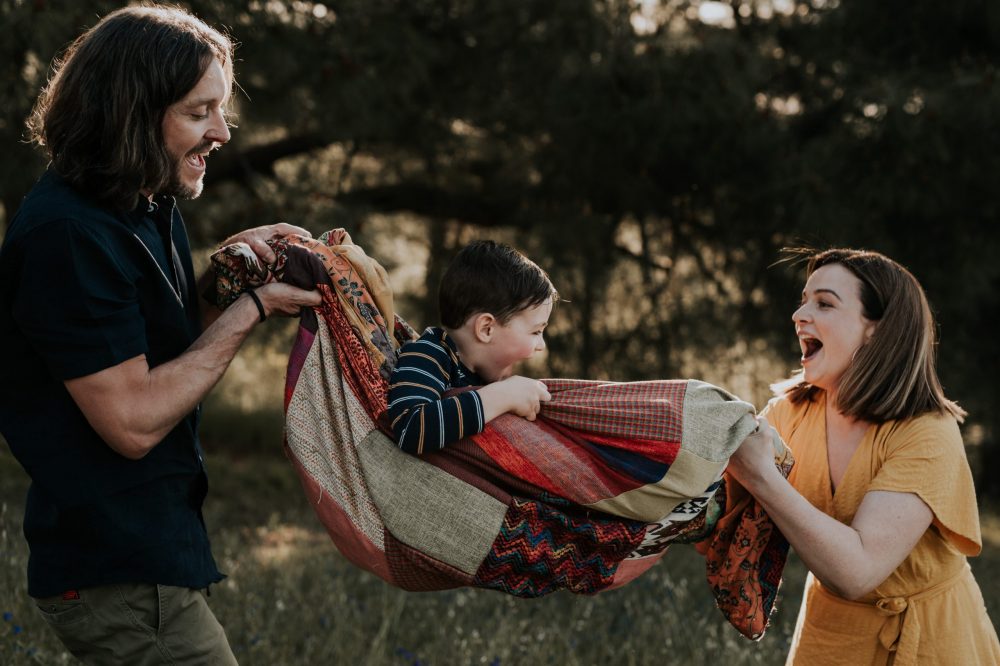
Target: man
x,y
105,362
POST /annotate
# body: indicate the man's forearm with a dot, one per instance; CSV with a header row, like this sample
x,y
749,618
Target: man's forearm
x,y
193,374
133,407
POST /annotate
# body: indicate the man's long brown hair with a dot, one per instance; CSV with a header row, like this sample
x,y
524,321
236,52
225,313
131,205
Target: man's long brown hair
x,y
100,117
893,375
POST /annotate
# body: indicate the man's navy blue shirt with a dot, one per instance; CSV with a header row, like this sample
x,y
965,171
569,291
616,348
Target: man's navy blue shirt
x,y
82,289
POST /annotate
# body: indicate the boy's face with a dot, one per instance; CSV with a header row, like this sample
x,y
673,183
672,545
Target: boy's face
x,y
516,341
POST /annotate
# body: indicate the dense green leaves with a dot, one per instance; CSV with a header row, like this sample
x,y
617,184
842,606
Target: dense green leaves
x,y
652,162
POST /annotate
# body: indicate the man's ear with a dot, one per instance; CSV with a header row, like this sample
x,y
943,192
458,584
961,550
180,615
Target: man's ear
x,y
484,325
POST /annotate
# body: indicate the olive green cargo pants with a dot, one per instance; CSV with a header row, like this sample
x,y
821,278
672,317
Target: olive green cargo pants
x,y
137,625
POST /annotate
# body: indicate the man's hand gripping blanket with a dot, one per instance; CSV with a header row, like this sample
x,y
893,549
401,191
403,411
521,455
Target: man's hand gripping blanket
x,y
586,498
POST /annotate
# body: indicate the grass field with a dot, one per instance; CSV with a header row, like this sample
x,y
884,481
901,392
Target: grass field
x,y
290,598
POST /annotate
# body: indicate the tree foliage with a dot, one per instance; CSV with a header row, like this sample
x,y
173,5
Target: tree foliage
x,y
653,157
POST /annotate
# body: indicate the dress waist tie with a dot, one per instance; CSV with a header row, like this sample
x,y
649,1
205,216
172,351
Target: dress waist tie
x,y
900,632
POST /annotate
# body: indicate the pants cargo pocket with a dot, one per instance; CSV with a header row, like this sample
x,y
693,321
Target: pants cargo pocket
x,y
142,604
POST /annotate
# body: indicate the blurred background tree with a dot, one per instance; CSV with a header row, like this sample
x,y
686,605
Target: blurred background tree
x,y
653,156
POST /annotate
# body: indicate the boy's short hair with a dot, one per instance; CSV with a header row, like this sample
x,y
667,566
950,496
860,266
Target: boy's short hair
x,y
486,276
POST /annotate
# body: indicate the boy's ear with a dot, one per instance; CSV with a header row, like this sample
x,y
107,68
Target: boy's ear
x,y
483,326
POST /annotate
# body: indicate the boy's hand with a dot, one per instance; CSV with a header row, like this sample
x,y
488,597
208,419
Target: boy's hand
x,y
518,395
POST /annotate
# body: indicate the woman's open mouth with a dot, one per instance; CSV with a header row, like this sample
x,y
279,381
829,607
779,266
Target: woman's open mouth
x,y
810,347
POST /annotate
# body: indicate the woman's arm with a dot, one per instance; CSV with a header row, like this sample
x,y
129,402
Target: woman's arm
x,y
850,559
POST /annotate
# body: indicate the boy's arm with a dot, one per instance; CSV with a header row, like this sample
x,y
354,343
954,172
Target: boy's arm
x,y
518,395
422,421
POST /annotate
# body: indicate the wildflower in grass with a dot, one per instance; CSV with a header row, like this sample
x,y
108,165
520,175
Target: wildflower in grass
x,y
7,616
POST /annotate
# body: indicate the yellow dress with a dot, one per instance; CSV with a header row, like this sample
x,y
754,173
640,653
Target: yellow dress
x,y
930,609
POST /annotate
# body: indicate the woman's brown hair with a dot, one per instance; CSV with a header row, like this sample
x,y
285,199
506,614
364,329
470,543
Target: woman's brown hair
x,y
100,116
893,374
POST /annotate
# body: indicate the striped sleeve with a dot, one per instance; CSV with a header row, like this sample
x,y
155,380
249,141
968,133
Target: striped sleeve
x,y
423,421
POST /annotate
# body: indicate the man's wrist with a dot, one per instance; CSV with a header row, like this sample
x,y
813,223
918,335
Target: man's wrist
x,y
262,313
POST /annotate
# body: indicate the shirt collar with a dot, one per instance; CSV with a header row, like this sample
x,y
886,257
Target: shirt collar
x,y
161,206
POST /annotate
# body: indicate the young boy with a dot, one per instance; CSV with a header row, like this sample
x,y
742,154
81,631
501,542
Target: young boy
x,y
495,304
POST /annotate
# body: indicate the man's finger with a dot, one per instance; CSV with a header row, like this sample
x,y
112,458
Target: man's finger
x,y
283,229
263,250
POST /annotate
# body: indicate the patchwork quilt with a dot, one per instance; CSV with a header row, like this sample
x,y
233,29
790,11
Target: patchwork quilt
x,y
586,498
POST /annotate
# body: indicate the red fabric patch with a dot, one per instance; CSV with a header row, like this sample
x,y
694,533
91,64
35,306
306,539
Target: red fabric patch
x,y
663,452
418,572
499,449
615,481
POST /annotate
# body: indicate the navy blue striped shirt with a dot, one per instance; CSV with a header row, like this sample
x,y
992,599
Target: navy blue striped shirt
x,y
423,420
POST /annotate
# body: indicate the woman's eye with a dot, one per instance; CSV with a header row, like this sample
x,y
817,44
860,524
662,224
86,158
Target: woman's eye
x,y
199,116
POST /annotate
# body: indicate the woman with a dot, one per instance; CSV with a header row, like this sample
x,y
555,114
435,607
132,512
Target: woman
x,y
880,504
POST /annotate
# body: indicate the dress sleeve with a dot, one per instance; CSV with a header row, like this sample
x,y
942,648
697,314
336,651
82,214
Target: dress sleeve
x,y
783,417
79,307
776,412
925,456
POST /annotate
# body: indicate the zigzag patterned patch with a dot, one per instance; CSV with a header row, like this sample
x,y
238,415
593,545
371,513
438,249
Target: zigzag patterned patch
x,y
542,548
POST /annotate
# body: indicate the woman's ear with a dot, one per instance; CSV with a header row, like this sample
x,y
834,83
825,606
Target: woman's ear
x,y
870,330
483,326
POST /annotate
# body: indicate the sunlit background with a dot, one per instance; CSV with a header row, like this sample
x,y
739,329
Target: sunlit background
x,y
653,156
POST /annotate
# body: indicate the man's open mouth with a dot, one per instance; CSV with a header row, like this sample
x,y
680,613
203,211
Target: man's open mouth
x,y
196,160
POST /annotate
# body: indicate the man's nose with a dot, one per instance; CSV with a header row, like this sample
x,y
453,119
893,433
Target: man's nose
x,y
219,131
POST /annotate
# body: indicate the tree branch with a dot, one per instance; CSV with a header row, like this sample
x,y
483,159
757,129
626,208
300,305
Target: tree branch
x,y
237,164
471,207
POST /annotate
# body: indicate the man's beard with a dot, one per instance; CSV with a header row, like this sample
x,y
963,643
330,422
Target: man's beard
x,y
176,187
